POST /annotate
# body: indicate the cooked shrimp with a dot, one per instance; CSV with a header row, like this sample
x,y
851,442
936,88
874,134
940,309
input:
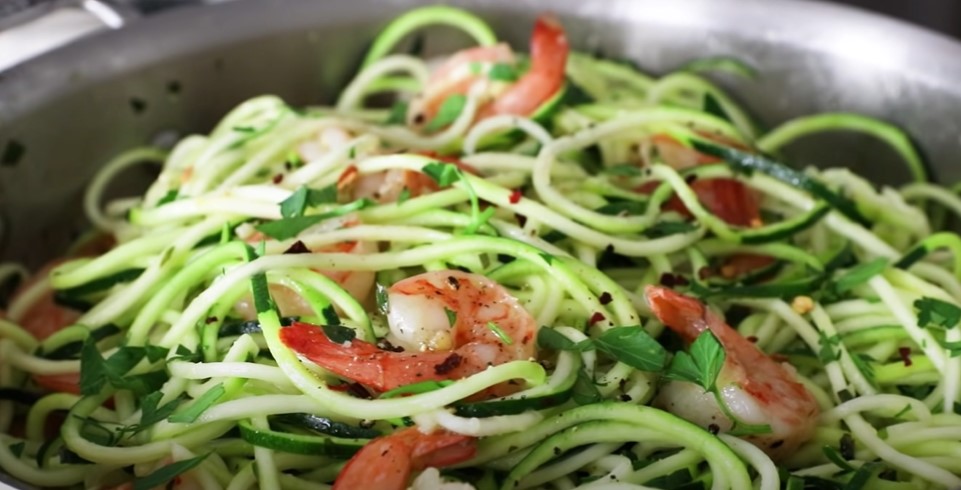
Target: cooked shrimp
x,y
359,284
386,463
43,316
451,324
549,50
327,139
756,389
727,199
386,186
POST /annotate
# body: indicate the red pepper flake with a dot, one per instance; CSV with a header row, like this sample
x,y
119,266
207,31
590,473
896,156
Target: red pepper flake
x,y
605,298
521,219
752,339
278,178
516,196
905,353
596,317
210,319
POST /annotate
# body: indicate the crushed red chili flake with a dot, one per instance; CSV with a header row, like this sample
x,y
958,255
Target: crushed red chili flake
x,y
297,247
516,196
596,317
605,298
905,353
210,319
752,339
521,219
690,179
278,178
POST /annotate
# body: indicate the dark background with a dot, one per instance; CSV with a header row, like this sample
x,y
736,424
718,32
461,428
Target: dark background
x,y
939,15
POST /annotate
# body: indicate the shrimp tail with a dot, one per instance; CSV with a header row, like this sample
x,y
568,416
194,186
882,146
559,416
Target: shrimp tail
x,y
549,50
364,362
684,315
387,462
355,359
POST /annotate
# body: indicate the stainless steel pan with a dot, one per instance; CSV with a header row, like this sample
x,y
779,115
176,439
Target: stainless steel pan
x,y
178,72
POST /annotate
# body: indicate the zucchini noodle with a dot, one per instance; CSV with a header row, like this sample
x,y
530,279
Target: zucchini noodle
x,y
165,349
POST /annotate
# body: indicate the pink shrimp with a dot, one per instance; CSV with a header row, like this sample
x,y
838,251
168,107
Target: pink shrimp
x,y
359,284
386,463
549,50
755,388
451,324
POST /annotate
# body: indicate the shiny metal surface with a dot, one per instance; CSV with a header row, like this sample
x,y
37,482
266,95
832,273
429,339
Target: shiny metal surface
x,y
180,71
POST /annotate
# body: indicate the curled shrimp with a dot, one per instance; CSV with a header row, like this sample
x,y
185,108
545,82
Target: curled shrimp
x,y
755,388
549,50
359,284
386,463
451,324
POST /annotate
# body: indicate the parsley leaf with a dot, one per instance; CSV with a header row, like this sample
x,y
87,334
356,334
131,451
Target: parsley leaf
x,y
859,275
416,388
330,315
451,316
285,228
503,72
200,405
403,196
96,372
863,363
623,170
169,197
398,113
500,333
380,295
548,338
150,413
339,334
702,365
444,174
294,205
713,107
826,353
633,346
326,195
258,286
585,390
934,312
447,113
167,473
835,457
17,448
665,228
